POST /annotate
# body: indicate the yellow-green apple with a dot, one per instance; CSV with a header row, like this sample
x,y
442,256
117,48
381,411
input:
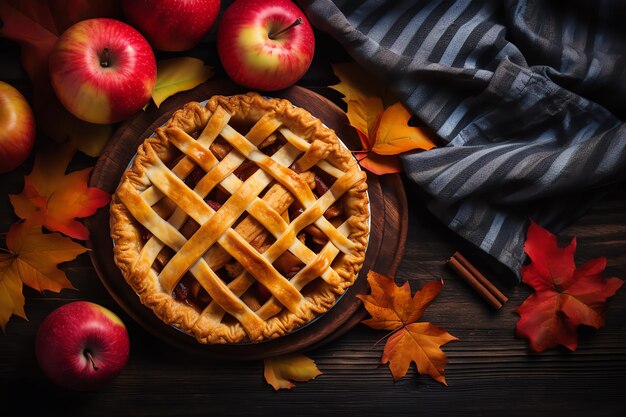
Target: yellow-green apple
x,y
265,44
82,346
17,128
172,25
102,70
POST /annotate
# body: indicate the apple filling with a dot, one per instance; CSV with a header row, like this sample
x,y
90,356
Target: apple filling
x,y
188,290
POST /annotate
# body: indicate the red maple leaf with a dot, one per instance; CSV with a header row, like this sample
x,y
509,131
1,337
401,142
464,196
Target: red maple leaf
x,y
565,296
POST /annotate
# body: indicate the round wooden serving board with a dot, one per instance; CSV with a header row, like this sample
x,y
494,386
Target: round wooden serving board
x,y
384,251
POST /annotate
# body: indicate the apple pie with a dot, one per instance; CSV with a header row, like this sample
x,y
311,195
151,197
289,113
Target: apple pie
x,y
240,220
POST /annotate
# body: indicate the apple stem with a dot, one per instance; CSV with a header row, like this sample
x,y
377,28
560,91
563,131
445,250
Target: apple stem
x,y
87,354
296,22
104,61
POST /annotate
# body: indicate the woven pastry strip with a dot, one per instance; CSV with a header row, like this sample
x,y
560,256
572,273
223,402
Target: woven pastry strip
x,y
256,207
215,226
152,195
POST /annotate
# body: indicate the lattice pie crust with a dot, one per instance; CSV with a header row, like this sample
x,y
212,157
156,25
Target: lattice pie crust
x,y
240,220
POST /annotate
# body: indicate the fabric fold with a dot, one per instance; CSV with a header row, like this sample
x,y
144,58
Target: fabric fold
x,y
512,88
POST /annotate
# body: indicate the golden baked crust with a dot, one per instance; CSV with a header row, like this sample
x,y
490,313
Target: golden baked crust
x,y
220,253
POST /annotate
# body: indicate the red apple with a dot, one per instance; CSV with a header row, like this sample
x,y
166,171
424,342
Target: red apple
x,y
265,44
17,128
102,70
172,25
82,345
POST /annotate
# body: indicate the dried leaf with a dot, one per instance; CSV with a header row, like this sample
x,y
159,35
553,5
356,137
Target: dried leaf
x,y
419,343
281,370
179,74
37,256
53,199
393,308
90,138
362,97
32,259
565,296
383,132
354,81
363,114
395,136
11,297
35,26
379,164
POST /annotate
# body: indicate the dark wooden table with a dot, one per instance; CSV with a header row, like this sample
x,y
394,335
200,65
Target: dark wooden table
x,y
490,371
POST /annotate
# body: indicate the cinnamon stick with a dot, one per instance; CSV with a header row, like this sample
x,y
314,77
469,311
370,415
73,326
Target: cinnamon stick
x,y
481,278
485,289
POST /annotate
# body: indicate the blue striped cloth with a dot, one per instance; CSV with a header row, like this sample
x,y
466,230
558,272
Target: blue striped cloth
x,y
529,95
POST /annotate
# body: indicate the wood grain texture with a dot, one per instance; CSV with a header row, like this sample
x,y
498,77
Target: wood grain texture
x,y
490,373
388,225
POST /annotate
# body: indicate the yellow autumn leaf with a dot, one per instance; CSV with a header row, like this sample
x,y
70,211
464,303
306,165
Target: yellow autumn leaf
x,y
179,74
32,258
362,96
353,80
363,114
11,297
394,135
382,128
90,138
281,370
36,256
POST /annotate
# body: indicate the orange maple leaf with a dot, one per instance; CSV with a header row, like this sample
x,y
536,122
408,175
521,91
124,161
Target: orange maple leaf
x,y
53,199
392,308
384,132
281,370
31,258
378,164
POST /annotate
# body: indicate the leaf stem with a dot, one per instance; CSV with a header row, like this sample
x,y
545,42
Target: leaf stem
x,y
388,335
